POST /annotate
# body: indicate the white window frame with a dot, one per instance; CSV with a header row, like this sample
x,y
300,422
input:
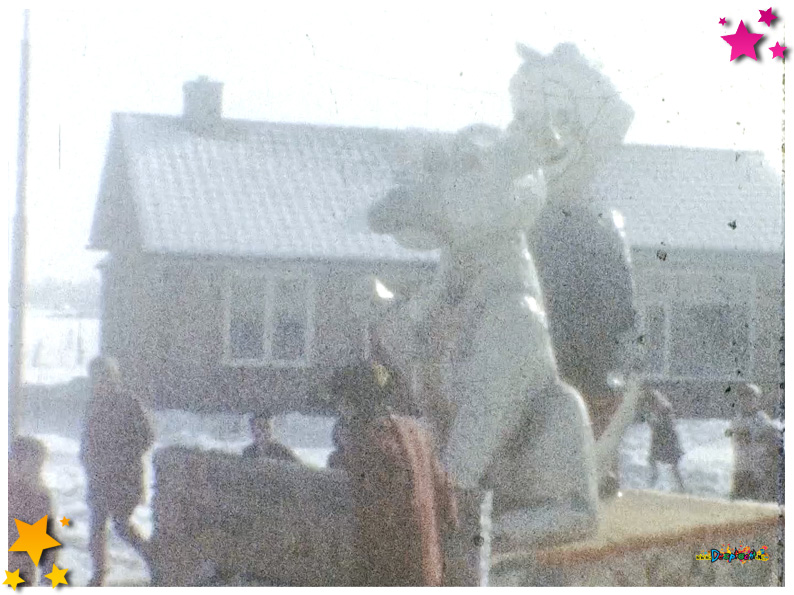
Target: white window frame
x,y
269,280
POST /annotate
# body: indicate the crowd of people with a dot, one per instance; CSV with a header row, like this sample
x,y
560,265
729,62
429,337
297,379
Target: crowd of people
x,y
404,502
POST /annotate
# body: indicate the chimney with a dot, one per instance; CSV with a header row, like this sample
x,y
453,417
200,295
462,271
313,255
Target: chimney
x,y
203,101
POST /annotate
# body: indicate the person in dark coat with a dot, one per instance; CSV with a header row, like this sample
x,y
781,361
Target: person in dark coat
x,y
757,446
403,500
665,446
264,446
115,438
28,501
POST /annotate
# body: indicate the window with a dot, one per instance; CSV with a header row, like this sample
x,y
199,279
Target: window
x,y
268,320
698,340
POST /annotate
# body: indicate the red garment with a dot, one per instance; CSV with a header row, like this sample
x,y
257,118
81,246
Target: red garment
x,y
403,502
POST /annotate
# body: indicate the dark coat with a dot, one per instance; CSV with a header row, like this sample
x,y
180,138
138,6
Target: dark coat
x,y
665,446
115,437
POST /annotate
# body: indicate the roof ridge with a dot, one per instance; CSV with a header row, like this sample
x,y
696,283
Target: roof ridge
x,y
178,119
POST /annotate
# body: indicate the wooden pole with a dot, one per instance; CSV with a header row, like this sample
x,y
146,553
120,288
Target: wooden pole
x,y
16,290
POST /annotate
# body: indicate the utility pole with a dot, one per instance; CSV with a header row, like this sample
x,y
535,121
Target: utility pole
x,y
16,290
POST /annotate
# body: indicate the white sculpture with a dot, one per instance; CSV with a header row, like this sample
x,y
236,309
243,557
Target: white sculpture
x,y
478,333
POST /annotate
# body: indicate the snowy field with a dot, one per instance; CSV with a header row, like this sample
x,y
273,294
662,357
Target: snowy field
x,y
706,470
57,348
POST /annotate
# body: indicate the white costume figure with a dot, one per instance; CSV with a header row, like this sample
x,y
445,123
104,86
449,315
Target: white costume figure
x,y
506,421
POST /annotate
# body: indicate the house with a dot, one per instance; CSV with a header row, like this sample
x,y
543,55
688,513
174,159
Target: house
x,y
706,231
240,268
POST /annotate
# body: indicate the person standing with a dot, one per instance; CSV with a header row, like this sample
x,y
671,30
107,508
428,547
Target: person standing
x,y
757,441
403,500
28,501
665,446
115,437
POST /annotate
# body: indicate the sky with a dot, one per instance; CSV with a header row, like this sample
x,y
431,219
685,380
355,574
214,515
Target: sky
x,y
413,64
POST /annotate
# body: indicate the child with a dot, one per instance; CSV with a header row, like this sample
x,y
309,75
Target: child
x,y
665,447
402,498
28,501
115,438
756,443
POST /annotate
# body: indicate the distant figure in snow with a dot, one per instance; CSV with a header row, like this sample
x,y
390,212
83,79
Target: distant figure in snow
x,y
264,446
28,501
665,446
37,353
115,438
757,440
404,503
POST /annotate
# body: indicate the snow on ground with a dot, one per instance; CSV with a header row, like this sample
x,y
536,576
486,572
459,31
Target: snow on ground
x,y
706,469
58,348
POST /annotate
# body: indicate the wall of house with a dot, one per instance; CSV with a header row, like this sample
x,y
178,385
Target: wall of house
x,y
164,320
130,318
748,282
182,340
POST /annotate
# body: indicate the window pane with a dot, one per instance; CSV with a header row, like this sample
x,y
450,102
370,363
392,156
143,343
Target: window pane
x,y
290,296
709,341
247,324
290,319
653,339
289,339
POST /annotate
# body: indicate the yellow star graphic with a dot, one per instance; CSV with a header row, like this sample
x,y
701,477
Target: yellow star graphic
x,y
13,579
57,576
33,539
65,522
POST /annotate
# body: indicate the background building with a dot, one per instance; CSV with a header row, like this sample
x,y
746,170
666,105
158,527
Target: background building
x,y
240,268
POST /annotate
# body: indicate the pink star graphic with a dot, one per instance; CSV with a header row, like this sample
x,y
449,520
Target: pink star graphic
x,y
742,42
722,21
777,50
767,17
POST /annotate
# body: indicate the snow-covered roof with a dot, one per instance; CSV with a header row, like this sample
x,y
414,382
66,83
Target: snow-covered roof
x,y
701,199
280,190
